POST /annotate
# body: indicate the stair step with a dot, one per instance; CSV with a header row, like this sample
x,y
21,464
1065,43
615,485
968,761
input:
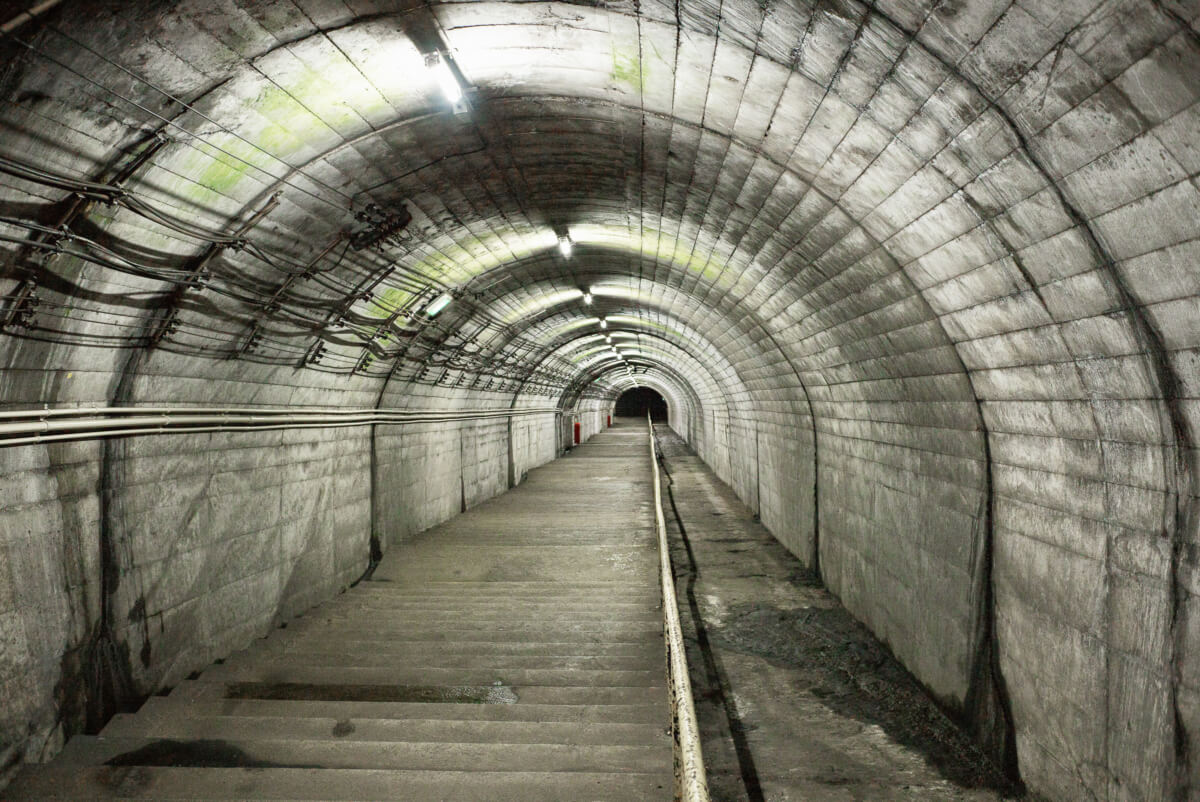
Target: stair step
x,y
583,598
396,649
94,750
533,694
315,655
182,707
506,589
486,610
345,785
497,619
640,634
379,601
163,724
383,629
286,670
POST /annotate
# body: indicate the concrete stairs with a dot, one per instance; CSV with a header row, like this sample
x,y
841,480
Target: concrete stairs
x,y
514,653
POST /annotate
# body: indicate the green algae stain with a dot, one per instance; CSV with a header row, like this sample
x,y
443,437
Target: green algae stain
x,y
628,70
221,176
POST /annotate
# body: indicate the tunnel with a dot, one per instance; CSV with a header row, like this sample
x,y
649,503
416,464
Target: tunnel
x,y
639,402
286,283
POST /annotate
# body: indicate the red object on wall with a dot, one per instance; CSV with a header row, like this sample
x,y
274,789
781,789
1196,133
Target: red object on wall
x,y
610,420
577,427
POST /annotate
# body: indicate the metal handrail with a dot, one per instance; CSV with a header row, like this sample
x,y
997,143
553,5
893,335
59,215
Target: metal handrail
x,y
34,426
691,784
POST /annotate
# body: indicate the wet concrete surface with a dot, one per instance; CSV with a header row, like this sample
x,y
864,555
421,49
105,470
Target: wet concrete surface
x,y
796,699
201,753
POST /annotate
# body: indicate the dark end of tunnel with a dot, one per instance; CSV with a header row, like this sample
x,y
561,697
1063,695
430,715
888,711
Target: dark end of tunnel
x,y
639,402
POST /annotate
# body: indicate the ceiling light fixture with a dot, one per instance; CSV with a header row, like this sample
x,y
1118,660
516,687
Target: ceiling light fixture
x,y
587,299
438,304
603,323
440,67
564,245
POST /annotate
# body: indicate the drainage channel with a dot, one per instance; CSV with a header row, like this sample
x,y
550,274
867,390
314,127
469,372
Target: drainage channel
x,y
795,698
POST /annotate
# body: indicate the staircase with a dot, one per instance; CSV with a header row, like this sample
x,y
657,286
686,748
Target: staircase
x,y
513,653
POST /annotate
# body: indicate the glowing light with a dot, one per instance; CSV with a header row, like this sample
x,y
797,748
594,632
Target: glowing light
x,y
597,360
587,299
603,323
444,77
610,291
574,324
438,304
564,245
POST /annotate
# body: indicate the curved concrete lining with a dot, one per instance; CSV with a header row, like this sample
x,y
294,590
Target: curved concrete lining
x,y
922,280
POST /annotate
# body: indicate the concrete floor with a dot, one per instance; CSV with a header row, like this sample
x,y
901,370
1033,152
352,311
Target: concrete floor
x,y
796,700
512,653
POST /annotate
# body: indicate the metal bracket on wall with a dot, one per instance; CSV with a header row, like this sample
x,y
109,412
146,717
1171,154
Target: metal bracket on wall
x,y
198,270
22,307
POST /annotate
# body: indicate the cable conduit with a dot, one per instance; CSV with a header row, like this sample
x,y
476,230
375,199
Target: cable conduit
x,y
31,427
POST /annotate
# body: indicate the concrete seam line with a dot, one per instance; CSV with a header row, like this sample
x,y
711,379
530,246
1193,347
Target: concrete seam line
x,y
691,782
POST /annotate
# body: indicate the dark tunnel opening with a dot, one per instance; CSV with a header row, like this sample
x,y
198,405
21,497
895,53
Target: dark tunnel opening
x,y
640,400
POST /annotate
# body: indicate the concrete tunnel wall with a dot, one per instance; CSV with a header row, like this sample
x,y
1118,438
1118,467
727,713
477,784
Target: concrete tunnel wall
x,y
919,280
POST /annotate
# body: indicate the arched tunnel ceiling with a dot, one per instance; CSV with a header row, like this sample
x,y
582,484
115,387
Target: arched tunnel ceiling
x,y
809,182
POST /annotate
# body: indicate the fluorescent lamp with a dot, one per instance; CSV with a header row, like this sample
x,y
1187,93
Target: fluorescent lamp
x,y
444,77
438,304
564,245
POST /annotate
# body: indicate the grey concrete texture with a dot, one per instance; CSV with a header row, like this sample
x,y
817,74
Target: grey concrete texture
x,y
797,700
918,280
513,652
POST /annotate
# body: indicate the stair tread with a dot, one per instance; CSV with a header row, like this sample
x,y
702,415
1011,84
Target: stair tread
x,y
342,785
183,707
421,661
458,612
164,724
528,694
345,754
318,643
561,635
463,624
295,671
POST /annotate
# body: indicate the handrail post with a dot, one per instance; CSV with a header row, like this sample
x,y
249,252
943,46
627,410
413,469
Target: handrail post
x,y
691,784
